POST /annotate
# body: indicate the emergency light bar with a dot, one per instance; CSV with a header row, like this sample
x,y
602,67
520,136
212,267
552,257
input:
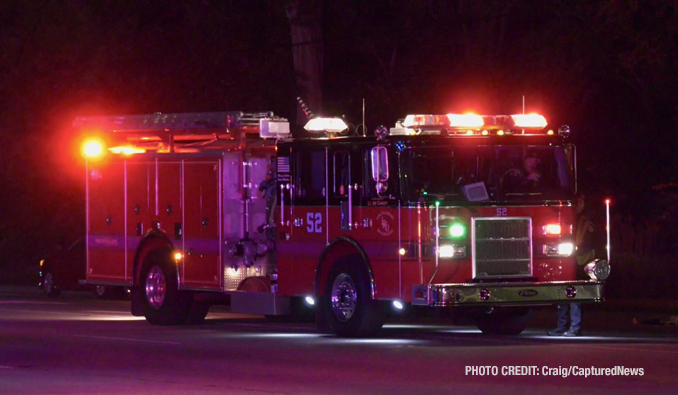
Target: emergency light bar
x,y
471,121
529,121
330,125
470,124
126,150
426,121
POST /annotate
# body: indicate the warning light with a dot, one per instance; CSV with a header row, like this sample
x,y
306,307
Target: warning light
x,y
331,125
126,150
178,256
92,149
425,120
457,230
465,120
529,121
552,229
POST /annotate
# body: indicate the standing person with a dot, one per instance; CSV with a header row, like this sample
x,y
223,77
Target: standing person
x,y
584,254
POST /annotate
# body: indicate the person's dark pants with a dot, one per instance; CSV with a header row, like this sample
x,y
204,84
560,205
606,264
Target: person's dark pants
x,y
575,316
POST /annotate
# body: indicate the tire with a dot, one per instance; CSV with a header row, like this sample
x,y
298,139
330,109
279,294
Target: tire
x,y
348,307
504,323
101,291
162,302
109,292
49,285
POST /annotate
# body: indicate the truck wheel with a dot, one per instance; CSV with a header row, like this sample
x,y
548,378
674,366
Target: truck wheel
x,y
49,286
101,292
511,322
349,308
163,304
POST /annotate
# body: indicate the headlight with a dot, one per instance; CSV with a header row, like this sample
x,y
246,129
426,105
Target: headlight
x,y
565,249
451,251
562,249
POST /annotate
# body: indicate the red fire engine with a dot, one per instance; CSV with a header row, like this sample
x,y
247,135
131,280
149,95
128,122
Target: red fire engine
x,y
460,211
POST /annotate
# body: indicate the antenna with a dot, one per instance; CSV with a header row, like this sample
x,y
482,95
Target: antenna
x,y
304,108
364,134
523,104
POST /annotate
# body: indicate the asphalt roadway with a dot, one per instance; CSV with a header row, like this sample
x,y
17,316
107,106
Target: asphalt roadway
x,y
77,344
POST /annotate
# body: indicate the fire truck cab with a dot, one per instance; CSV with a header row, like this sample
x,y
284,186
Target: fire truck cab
x,y
466,212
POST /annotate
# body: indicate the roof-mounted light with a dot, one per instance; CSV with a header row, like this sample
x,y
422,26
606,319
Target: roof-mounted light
x,y
529,121
330,125
92,149
469,120
426,121
126,150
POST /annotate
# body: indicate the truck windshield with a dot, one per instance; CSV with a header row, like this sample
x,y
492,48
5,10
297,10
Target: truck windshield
x,y
500,173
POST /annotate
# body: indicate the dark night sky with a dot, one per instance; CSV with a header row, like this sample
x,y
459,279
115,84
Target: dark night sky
x,y
607,68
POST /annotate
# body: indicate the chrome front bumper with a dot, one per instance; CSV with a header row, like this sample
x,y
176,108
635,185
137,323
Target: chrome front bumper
x,y
514,294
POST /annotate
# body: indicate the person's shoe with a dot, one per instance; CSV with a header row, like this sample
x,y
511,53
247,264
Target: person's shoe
x,y
557,332
572,333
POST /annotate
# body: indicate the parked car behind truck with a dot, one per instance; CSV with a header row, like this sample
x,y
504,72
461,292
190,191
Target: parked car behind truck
x,y
63,271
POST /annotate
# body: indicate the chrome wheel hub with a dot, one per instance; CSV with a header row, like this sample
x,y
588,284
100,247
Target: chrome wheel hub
x,y
156,287
344,297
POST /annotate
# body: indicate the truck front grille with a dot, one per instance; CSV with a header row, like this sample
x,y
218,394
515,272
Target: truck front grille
x,y
502,247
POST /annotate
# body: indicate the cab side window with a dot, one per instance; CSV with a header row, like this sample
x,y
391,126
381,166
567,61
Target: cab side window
x,y
309,175
341,174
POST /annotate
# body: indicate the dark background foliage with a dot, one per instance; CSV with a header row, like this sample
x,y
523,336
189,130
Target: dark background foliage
x,y
607,68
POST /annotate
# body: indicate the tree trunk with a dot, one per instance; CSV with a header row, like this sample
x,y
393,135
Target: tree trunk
x,y
307,50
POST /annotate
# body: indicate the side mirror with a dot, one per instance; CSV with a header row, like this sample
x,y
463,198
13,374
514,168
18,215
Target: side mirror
x,y
379,156
379,159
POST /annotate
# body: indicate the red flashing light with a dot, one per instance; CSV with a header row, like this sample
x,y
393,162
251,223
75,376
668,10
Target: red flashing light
x,y
92,148
553,229
468,120
424,120
529,121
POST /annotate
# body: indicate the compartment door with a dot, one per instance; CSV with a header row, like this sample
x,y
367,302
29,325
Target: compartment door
x,y
201,231
106,222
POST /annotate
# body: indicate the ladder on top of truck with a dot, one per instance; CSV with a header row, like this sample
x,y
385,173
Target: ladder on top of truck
x,y
158,129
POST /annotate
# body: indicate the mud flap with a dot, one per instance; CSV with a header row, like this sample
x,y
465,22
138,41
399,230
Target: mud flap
x,y
136,297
